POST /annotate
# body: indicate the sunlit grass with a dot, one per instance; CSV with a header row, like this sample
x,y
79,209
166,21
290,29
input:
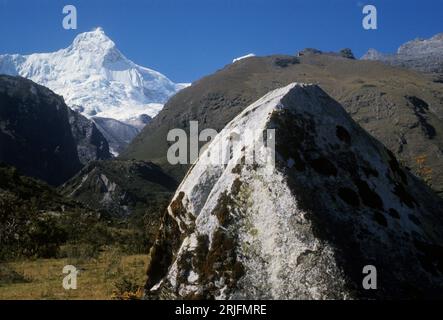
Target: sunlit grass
x,y
42,278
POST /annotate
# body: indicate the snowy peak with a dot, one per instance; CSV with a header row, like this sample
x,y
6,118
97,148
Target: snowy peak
x,y
95,78
92,41
334,201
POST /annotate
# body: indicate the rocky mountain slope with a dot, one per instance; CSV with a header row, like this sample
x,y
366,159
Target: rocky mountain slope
x,y
35,134
425,55
121,188
118,134
91,143
401,108
95,78
41,136
335,201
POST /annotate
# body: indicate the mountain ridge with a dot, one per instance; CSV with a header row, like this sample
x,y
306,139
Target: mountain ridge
x,y
424,55
401,108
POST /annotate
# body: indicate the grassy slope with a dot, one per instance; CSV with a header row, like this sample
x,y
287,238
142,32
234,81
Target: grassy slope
x,y
107,252
99,278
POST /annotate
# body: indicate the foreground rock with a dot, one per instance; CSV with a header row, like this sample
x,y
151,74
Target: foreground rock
x,y
335,201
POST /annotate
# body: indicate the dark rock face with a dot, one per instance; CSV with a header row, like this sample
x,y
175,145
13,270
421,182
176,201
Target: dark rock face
x,y
376,96
120,187
336,201
91,144
35,134
346,53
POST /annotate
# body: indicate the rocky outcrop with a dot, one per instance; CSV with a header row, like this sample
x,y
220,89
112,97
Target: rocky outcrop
x,y
35,134
344,53
91,144
335,201
425,55
120,188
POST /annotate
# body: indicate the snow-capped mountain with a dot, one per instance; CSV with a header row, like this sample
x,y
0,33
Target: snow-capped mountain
x,y
95,78
335,201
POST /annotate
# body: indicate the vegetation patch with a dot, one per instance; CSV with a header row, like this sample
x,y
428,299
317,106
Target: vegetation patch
x,y
286,62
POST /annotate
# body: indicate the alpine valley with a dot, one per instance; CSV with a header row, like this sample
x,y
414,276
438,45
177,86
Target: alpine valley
x,y
357,178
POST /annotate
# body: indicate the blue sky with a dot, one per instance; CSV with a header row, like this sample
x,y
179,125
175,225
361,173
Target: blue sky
x,y
187,39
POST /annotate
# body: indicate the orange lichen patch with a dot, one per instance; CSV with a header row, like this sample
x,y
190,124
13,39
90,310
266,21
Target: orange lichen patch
x,y
129,295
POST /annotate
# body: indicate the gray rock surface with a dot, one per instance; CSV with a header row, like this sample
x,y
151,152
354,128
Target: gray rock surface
x,y
425,55
117,133
336,201
91,144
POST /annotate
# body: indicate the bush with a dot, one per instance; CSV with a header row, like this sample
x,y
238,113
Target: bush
x,y
127,289
80,251
347,53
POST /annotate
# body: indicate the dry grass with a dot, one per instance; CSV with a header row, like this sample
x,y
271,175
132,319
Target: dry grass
x,y
97,280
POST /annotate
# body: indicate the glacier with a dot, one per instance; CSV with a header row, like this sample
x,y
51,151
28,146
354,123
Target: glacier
x,y
96,79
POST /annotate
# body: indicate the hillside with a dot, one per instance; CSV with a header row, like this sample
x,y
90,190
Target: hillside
x,y
401,108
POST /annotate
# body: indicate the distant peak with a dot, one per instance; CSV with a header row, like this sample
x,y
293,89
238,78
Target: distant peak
x,y
372,54
438,37
92,40
98,29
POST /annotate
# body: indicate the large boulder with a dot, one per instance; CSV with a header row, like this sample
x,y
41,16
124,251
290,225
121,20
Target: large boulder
x,y
334,202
